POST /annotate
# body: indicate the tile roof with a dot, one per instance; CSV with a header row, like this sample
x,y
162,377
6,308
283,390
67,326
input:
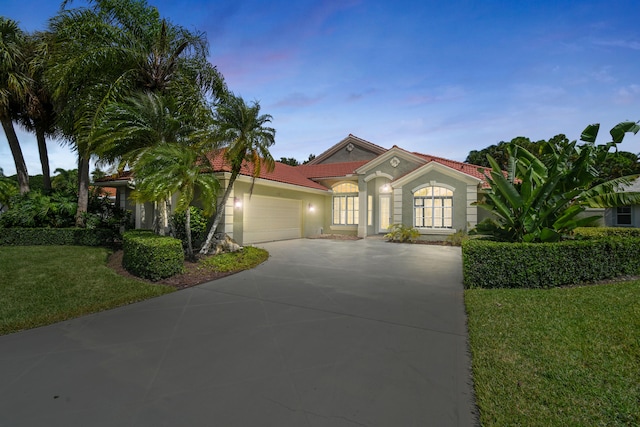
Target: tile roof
x,y
466,168
330,170
116,176
281,173
304,175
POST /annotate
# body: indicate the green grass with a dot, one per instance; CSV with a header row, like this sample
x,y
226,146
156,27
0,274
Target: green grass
x,y
556,357
40,285
249,257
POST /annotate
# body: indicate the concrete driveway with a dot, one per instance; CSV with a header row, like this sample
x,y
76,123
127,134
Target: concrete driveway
x,y
325,333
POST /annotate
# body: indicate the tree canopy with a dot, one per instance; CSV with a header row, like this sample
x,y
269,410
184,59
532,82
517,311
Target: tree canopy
x,y
539,198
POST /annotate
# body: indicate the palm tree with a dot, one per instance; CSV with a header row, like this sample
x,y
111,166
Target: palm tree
x,y
38,114
166,149
242,128
13,88
104,53
168,168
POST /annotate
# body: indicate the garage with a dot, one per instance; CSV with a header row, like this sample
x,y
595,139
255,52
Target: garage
x,y
271,218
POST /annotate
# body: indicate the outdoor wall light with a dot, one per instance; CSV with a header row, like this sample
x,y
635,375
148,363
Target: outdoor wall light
x,y
385,188
237,203
311,208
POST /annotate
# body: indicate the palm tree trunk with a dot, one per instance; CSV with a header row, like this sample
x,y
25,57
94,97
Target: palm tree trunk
x,y
219,213
187,228
44,158
16,151
83,190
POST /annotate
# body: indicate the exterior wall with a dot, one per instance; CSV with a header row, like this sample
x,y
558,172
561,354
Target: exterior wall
x,y
460,205
402,168
356,154
314,208
610,217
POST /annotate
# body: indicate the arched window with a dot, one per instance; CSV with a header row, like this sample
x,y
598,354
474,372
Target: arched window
x,y
433,207
345,204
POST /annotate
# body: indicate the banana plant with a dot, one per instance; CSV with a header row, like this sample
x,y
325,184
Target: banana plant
x,y
541,199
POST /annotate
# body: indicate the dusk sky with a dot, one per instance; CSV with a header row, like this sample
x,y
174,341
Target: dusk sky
x,y
437,77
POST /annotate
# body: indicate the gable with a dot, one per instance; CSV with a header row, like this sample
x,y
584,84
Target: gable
x,y
350,149
434,166
394,163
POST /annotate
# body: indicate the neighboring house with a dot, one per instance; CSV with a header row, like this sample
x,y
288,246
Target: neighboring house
x,y
355,187
624,216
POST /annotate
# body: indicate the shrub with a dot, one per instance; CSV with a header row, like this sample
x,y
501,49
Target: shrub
x,y
402,233
56,236
150,256
489,264
598,232
457,238
198,226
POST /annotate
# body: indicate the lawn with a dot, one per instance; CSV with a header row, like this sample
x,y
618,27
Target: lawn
x,y
556,357
40,285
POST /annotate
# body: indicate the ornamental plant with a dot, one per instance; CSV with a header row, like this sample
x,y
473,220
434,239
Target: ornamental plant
x,y
540,199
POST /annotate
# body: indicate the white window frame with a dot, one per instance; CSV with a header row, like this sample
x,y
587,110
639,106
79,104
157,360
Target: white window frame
x,y
347,205
428,203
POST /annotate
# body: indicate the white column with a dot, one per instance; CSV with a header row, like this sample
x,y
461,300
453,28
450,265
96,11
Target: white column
x,y
397,206
363,210
472,211
228,214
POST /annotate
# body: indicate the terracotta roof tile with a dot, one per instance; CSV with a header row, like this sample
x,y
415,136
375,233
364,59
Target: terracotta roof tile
x,y
330,170
467,168
281,173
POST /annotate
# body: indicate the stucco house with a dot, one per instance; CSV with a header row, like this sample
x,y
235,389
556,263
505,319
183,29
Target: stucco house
x,y
355,187
624,216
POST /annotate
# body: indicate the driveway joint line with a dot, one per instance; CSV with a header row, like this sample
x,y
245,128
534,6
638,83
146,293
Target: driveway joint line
x,y
388,322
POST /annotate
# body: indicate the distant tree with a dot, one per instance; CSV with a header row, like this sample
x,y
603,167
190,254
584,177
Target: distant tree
x,y
615,165
499,151
311,157
289,161
65,181
97,174
618,164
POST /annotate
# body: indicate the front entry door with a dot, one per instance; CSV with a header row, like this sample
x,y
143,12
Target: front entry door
x,y
385,212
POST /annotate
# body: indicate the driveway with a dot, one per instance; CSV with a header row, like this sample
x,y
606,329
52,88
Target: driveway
x,y
325,333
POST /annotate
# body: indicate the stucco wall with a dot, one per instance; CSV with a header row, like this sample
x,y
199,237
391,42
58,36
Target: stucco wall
x,y
356,154
459,197
313,220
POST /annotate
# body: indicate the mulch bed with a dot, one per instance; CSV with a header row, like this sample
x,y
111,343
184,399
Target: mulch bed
x,y
192,275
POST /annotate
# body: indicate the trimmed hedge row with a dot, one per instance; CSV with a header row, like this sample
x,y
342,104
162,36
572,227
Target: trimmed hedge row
x,y
598,232
150,256
488,264
56,236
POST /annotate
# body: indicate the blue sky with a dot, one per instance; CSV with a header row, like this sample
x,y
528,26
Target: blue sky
x,y
438,77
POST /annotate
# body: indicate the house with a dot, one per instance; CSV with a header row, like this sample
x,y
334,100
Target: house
x,y
355,187
624,216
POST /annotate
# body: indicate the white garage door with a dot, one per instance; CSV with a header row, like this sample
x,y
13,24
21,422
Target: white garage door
x,y
271,218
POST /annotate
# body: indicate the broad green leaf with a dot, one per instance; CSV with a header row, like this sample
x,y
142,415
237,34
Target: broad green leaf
x,y
590,133
549,235
507,189
619,130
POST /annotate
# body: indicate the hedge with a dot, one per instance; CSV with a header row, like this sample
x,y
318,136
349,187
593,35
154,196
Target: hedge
x,y
598,232
56,236
488,264
150,256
